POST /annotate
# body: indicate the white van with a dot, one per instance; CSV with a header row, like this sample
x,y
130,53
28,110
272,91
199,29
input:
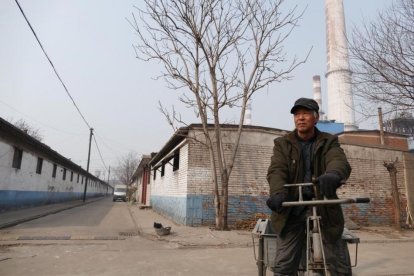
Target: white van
x,y
120,193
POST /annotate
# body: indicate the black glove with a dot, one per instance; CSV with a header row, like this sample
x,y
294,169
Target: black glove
x,y
328,183
275,202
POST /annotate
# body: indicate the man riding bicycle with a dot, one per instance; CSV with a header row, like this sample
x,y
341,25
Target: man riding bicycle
x,y
301,156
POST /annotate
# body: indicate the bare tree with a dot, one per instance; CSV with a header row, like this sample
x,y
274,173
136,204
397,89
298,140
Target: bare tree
x,y
220,53
126,167
26,127
382,54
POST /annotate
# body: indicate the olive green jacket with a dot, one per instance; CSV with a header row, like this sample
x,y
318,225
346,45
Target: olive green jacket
x,y
286,167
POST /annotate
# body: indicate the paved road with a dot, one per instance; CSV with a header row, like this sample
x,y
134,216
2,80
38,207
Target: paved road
x,y
129,257
381,259
100,239
94,249
100,218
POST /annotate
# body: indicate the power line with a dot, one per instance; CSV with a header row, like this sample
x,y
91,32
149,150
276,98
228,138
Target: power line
x,y
39,122
94,139
51,63
125,147
61,81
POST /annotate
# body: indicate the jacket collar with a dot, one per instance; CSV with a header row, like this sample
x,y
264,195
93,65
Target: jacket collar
x,y
293,138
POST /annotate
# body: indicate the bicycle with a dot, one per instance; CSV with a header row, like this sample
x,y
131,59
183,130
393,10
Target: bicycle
x,y
315,262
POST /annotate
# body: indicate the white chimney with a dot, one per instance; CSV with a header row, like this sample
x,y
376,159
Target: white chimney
x,y
248,113
338,76
317,95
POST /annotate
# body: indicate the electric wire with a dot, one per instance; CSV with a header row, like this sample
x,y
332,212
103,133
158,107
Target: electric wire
x,y
99,151
60,79
125,147
51,63
37,121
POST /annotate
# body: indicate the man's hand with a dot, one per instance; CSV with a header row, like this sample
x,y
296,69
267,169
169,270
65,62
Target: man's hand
x,y
328,183
275,202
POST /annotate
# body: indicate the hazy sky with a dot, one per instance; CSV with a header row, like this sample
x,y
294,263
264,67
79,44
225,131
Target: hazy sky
x,y
90,44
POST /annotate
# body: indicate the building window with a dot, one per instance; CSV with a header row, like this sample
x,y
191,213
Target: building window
x,y
176,161
162,169
39,165
155,173
54,170
77,181
71,176
17,158
64,174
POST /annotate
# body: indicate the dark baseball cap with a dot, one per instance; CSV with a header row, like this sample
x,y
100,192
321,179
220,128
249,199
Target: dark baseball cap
x,y
305,103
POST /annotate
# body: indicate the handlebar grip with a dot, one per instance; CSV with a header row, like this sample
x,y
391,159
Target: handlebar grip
x,y
362,200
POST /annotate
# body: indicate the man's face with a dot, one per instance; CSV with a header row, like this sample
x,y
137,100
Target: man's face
x,y
305,120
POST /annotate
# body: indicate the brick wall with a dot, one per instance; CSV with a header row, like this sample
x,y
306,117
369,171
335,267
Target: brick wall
x,y
173,183
373,138
249,173
186,195
370,178
169,192
248,187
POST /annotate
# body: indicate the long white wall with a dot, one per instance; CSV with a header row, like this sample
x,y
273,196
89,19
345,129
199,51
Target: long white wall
x,y
23,186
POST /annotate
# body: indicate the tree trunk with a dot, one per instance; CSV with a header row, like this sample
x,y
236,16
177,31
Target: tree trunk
x,y
395,194
225,184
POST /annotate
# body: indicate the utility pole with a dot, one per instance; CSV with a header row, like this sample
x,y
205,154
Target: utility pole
x,y
87,166
381,125
109,173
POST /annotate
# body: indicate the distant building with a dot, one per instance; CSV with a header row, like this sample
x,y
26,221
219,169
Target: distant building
x,y
403,124
330,126
372,138
31,173
181,180
181,185
141,179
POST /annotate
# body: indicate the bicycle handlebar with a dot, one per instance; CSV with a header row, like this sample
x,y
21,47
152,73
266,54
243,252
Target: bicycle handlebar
x,y
326,202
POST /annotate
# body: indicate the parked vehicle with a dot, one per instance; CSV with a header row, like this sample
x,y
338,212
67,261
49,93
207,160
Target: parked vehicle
x,y
120,192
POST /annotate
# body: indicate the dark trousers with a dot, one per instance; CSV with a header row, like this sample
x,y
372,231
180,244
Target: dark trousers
x,y
291,246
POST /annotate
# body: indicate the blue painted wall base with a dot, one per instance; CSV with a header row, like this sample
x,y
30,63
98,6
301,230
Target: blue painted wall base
x,y
10,200
195,210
